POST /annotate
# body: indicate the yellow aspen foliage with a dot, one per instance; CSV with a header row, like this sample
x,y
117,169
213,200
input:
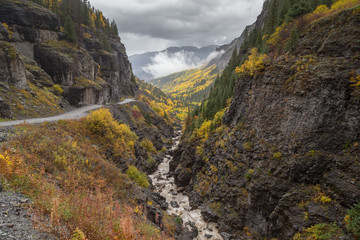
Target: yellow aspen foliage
x,y
92,19
355,81
275,38
11,33
322,9
9,165
148,145
102,19
204,130
253,64
102,124
343,4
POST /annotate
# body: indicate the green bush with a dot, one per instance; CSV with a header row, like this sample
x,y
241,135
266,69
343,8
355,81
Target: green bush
x,y
321,231
58,89
178,220
138,177
277,156
148,145
353,221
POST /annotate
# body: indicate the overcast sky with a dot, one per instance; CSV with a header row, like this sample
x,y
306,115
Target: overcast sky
x,y
153,25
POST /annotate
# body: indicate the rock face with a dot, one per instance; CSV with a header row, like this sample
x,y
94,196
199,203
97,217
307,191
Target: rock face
x,y
28,14
157,131
12,71
86,72
286,158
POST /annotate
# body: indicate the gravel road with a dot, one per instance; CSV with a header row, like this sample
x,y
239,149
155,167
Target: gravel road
x,y
74,114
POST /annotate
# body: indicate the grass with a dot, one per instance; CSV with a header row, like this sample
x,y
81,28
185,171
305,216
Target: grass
x,y
74,184
36,102
4,119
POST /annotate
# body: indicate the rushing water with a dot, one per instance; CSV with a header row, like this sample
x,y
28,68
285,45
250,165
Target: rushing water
x,y
165,185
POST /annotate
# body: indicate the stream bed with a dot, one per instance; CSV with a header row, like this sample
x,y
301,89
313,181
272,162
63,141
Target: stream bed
x,y
178,202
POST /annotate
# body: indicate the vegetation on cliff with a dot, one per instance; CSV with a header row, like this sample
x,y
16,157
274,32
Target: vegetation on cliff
x,y
77,15
256,149
71,172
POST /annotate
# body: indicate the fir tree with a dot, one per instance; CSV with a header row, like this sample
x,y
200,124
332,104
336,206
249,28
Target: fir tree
x,y
293,39
69,29
114,30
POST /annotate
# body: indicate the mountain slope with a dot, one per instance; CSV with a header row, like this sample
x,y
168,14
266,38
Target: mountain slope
x,y
49,66
187,56
281,160
190,85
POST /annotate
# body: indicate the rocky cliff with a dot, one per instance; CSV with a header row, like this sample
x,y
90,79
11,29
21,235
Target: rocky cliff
x,y
37,57
286,157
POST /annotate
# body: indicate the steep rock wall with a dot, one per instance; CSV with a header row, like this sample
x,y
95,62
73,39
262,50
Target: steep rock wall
x,y
287,157
87,73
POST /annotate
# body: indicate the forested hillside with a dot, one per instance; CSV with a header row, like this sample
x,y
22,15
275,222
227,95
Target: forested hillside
x,y
189,86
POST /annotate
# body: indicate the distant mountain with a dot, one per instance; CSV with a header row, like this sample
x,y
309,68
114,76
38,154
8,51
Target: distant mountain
x,y
150,65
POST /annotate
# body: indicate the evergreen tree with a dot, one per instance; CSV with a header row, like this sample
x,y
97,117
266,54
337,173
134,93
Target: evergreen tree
x,y
293,39
69,29
273,17
114,30
298,10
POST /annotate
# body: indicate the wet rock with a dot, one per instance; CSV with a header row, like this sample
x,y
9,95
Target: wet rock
x,y
189,232
208,214
226,236
182,176
180,189
174,204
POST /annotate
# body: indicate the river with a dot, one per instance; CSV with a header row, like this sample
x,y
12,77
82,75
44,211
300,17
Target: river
x,y
165,185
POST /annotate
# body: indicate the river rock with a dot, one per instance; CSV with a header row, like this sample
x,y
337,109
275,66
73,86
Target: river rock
x,y
174,204
208,214
226,236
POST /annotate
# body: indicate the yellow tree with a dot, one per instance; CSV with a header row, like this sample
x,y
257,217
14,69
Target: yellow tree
x,y
254,63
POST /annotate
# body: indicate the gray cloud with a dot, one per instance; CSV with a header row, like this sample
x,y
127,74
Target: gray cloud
x,y
146,25
165,63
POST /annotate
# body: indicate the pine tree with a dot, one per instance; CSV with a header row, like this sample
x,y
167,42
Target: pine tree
x,y
293,39
114,30
273,18
298,10
69,29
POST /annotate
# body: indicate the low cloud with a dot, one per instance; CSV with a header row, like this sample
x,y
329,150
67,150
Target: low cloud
x,y
178,22
165,63
214,54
